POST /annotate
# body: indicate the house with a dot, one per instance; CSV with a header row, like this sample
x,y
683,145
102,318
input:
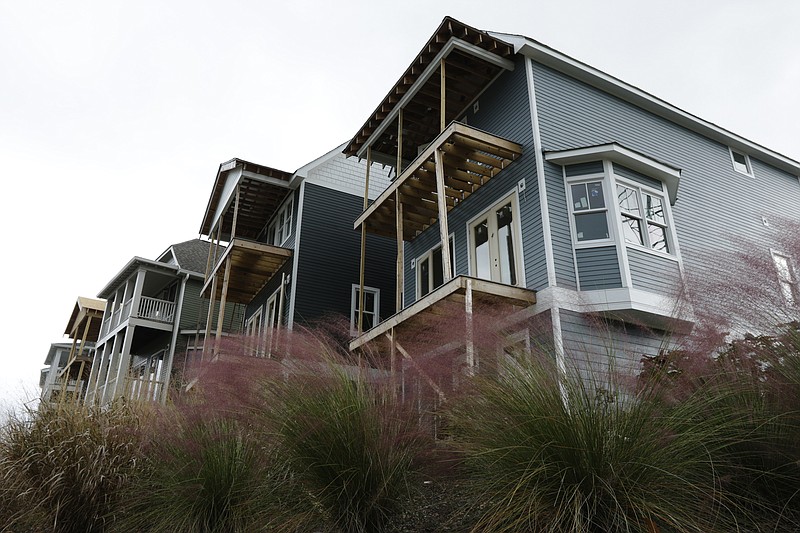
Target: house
x,y
68,364
284,246
527,177
153,324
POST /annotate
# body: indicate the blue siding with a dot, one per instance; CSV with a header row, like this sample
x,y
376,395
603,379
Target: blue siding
x,y
654,273
328,257
595,346
598,268
632,175
504,111
715,203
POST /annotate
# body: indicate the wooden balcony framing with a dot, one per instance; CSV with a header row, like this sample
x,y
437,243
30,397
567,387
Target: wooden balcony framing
x,y
467,159
460,294
246,267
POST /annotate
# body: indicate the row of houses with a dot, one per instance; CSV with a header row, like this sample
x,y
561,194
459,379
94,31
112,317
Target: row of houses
x,y
496,169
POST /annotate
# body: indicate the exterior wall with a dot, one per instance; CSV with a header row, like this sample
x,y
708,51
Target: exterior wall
x,y
269,289
504,110
328,257
717,207
347,175
595,347
598,268
654,273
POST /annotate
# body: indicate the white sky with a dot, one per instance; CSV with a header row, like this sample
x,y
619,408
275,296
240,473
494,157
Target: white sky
x,y
114,116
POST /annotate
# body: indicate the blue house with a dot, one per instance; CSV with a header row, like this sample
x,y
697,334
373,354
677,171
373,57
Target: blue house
x,y
524,176
283,246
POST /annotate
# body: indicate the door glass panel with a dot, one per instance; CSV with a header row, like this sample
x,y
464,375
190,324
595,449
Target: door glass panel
x,y
481,239
424,280
505,238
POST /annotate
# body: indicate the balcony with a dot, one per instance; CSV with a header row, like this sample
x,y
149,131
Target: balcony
x,y
156,310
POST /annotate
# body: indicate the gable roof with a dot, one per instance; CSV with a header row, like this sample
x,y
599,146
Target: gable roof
x,y
191,255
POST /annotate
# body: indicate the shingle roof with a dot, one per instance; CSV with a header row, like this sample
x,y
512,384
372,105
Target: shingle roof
x,y
192,255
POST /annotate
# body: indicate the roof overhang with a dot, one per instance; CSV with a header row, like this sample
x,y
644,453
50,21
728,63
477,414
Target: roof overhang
x,y
471,158
132,266
86,309
473,59
252,265
581,71
261,191
617,153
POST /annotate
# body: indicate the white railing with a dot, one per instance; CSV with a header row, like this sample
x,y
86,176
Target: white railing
x,y
157,310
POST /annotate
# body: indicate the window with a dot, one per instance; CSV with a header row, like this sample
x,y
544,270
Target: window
x,y
741,162
371,315
589,211
495,243
272,322
643,219
787,278
430,269
281,226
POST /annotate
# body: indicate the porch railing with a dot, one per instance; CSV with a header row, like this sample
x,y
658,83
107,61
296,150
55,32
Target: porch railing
x,y
157,310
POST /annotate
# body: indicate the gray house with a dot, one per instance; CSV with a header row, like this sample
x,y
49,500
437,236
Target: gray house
x,y
527,177
284,247
154,318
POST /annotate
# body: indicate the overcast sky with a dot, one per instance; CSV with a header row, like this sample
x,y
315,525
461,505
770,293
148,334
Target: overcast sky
x,y
114,116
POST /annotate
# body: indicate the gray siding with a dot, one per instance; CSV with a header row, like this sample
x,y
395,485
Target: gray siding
x,y
598,268
192,305
595,346
504,111
632,175
328,257
715,203
269,289
653,273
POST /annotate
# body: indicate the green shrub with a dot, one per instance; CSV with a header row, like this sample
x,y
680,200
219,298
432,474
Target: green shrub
x,y
64,467
549,452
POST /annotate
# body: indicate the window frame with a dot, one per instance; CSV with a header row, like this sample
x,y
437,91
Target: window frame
x,y
354,301
641,191
516,232
748,165
787,278
280,227
429,256
612,228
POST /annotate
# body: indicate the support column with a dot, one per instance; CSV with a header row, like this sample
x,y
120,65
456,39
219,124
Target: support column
x,y
443,98
123,362
363,246
222,298
469,332
443,227
400,267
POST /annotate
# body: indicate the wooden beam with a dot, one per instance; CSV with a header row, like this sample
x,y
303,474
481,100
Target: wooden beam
x,y
443,98
363,246
419,369
400,266
443,227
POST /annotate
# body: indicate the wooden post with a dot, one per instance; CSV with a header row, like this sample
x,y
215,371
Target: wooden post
x,y
469,328
443,228
443,98
399,168
235,214
400,258
222,297
392,364
363,246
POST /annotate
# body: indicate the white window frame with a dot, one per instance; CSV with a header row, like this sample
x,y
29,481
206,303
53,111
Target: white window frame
x,y
429,256
253,331
354,301
516,229
788,285
737,166
609,209
270,327
280,228
642,190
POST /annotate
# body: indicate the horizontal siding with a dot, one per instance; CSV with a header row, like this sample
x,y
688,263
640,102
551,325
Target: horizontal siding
x,y
653,273
504,110
598,268
560,232
329,257
632,175
717,207
595,346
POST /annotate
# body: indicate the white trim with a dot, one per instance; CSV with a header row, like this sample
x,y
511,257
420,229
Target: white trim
x,y
296,255
376,308
540,177
791,278
617,153
429,253
747,163
585,180
516,228
275,224
607,83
